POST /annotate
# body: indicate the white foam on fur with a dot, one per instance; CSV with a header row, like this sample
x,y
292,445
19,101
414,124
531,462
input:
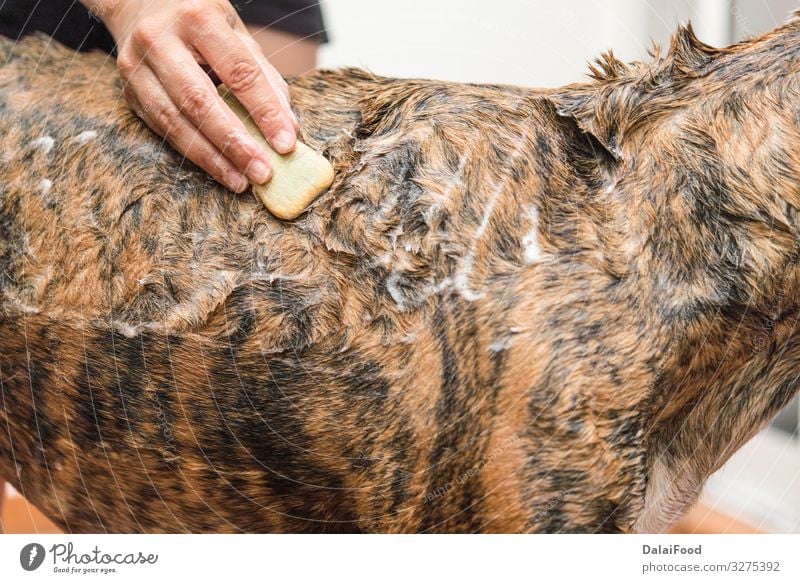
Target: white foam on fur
x,y
394,289
127,330
530,242
44,144
44,186
501,344
86,136
461,279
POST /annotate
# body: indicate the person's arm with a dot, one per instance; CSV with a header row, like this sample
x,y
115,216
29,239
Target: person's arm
x,y
290,54
161,47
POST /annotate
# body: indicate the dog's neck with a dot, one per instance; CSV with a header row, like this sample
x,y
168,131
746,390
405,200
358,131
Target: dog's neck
x,y
715,251
700,151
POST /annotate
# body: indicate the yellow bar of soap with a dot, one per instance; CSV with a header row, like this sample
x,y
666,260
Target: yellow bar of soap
x,y
298,178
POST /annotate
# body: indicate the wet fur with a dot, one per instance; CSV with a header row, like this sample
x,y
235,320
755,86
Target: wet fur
x,y
516,310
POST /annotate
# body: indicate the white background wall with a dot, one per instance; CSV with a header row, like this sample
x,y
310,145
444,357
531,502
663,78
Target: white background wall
x,y
525,42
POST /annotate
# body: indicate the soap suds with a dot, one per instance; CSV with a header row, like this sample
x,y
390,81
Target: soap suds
x,y
86,136
394,289
43,144
456,180
530,242
462,282
44,187
20,305
501,344
127,330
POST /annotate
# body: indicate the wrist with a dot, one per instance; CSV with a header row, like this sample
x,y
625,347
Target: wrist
x,y
100,8
110,13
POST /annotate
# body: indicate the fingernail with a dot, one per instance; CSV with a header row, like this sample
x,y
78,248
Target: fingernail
x,y
258,172
283,141
237,182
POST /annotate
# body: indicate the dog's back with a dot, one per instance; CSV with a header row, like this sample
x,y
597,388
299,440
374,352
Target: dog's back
x,y
451,339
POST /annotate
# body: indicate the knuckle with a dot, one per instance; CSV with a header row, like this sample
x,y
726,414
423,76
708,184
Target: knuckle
x,y
195,102
126,65
232,144
164,116
268,113
206,160
146,33
193,13
244,75
212,162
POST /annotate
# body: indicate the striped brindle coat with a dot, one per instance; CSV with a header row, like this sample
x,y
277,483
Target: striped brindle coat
x,y
515,310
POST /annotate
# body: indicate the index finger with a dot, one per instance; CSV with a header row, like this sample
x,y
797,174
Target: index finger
x,y
252,80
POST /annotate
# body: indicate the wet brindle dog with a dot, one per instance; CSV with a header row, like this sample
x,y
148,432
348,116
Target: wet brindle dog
x,y
515,310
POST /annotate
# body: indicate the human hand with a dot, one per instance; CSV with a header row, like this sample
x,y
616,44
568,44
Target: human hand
x,y
162,48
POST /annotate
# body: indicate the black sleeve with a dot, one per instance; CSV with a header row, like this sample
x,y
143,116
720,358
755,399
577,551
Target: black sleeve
x,y
300,17
67,21
70,23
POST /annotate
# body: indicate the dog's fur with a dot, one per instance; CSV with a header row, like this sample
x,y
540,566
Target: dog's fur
x,y
516,310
